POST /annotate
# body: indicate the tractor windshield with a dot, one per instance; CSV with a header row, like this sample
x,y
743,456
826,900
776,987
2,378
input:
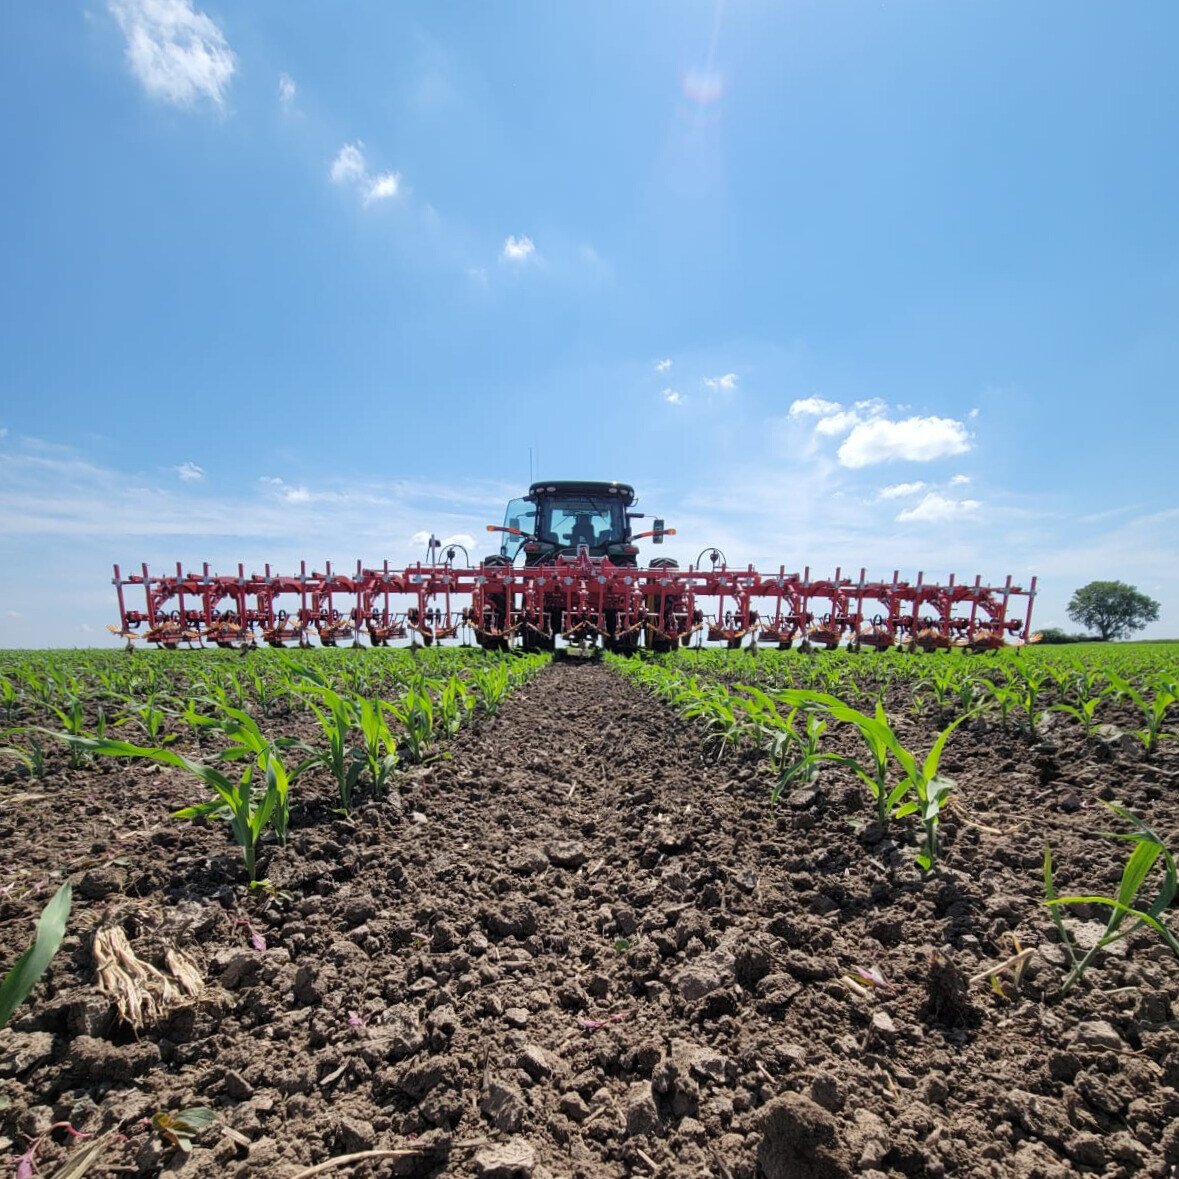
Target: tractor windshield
x,y
570,520
521,515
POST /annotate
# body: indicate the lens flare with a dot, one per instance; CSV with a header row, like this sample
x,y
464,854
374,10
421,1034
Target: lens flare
x,y
703,87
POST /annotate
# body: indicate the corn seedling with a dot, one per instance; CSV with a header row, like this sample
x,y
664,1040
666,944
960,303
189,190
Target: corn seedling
x,y
32,758
414,712
33,963
931,788
1084,712
492,684
336,719
380,745
1153,708
1148,848
455,705
71,718
249,810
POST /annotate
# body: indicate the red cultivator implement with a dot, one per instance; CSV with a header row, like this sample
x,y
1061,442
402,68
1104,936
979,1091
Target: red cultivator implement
x,y
579,583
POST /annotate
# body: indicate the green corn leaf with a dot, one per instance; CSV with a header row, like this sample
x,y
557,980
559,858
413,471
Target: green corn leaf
x,y
32,964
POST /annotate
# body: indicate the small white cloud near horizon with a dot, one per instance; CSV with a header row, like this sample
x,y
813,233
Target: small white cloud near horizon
x,y
348,166
673,397
726,383
959,480
179,55
813,407
350,169
287,91
382,187
661,366
517,249
900,490
190,472
934,509
291,494
915,439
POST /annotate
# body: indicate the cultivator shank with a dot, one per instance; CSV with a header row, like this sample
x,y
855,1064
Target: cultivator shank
x,y
578,599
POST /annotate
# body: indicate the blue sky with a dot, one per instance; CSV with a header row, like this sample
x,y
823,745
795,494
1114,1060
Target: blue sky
x,y
886,285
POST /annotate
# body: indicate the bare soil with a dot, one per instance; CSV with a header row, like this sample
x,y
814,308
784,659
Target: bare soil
x,y
579,946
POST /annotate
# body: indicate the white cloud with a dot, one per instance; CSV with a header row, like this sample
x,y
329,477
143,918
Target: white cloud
x,y
914,439
351,168
178,54
382,187
348,167
935,508
287,90
662,366
959,480
673,397
814,407
972,414
517,249
837,423
190,472
420,538
727,383
900,490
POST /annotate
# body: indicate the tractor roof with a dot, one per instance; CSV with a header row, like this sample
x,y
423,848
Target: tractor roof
x,y
581,487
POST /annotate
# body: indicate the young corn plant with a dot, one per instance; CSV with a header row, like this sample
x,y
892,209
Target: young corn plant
x,y
492,685
1027,695
414,713
1147,850
249,809
931,788
1153,707
455,705
72,719
806,746
1084,712
380,744
336,719
33,963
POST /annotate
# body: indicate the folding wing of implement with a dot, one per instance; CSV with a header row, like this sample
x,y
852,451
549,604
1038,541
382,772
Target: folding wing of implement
x,y
568,576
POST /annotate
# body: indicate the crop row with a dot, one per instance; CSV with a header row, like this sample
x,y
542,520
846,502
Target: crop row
x,y
791,727
364,725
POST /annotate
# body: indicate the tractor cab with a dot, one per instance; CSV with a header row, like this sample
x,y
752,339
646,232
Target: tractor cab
x,y
555,519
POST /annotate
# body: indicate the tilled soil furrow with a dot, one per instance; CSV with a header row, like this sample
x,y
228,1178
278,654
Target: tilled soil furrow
x,y
577,946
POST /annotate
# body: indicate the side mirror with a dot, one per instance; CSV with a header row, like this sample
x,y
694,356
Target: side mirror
x,y
658,537
514,522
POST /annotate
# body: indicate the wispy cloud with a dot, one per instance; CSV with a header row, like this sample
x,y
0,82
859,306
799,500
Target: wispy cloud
x,y
723,384
662,366
190,472
350,169
900,490
673,397
287,91
178,54
517,249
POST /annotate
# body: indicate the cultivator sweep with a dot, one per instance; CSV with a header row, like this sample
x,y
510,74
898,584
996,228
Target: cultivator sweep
x,y
579,586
